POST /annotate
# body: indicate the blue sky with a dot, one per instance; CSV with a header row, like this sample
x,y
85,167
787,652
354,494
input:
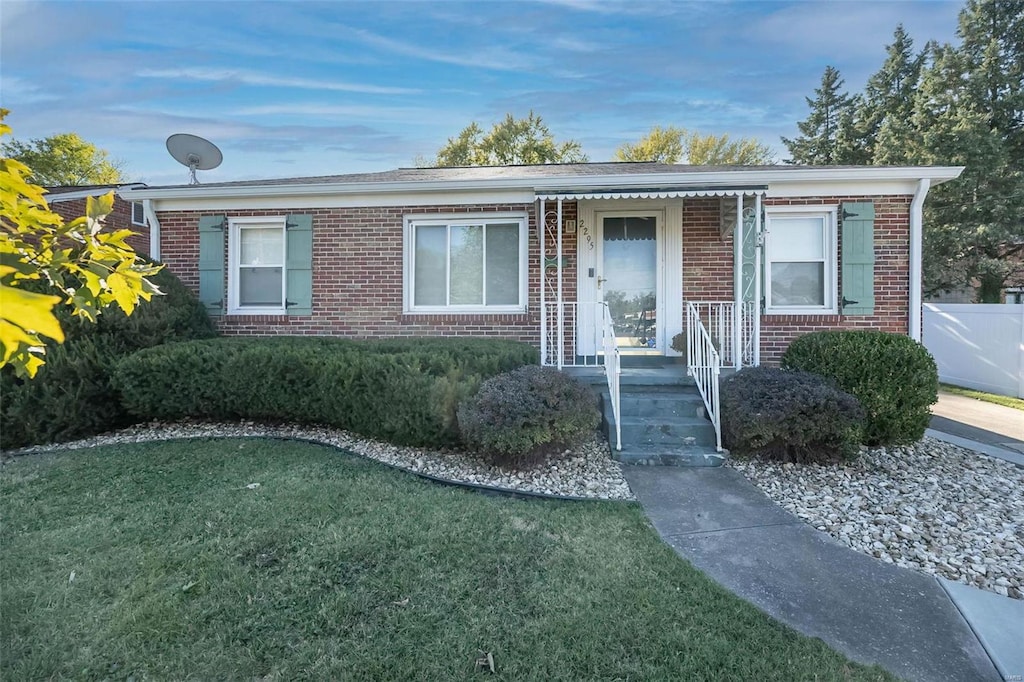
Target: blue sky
x,y
303,88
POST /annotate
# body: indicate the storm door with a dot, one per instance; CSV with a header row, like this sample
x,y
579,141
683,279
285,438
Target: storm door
x,y
628,279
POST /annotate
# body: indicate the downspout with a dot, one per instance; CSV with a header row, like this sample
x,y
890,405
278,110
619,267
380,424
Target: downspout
x,y
154,228
916,249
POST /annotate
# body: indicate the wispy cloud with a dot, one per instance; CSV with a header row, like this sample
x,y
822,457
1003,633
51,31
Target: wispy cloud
x,y
254,78
18,91
404,114
485,57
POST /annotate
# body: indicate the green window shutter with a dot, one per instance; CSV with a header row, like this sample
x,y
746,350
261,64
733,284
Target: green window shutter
x,y
858,256
211,262
299,265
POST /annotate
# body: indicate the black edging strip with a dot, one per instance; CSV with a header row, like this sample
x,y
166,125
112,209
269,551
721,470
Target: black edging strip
x,y
475,487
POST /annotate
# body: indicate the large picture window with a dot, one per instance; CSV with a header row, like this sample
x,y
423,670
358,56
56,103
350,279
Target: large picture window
x,y
800,260
257,256
472,264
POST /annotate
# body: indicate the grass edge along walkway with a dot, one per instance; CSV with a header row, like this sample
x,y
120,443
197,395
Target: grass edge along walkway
x,y
165,560
995,398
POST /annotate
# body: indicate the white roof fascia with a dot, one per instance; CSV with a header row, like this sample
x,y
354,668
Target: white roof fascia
x,y
832,188
343,200
937,174
90,192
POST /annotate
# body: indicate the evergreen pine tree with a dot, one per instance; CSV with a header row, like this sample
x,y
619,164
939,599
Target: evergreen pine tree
x,y
888,100
820,132
969,112
948,129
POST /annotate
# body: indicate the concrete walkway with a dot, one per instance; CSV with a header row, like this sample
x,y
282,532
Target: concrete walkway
x,y
871,611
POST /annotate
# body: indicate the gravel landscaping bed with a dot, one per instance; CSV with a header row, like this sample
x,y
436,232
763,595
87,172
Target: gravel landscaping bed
x,y
933,506
587,471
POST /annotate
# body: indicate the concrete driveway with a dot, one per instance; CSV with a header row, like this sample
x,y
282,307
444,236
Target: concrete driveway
x,y
979,421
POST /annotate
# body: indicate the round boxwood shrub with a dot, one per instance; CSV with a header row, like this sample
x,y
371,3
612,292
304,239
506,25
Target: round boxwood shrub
x,y
518,418
72,395
893,376
789,415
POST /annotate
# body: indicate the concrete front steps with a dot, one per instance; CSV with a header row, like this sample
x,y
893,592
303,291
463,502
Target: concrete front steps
x,y
663,420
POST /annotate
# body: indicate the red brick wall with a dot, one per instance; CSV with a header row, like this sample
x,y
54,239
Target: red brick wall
x,y
119,219
357,273
707,257
892,280
708,268
357,277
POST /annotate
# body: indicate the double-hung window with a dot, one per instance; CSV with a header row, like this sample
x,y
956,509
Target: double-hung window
x,y
257,259
469,264
800,260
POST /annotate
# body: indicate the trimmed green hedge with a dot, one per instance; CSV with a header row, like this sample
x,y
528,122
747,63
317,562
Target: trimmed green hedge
x,y
789,415
893,376
404,391
72,396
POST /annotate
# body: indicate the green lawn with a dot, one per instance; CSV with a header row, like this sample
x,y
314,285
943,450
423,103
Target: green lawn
x,y
157,562
1004,400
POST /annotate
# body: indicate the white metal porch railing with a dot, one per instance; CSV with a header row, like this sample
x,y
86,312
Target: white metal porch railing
x,y
581,335
719,319
612,369
704,364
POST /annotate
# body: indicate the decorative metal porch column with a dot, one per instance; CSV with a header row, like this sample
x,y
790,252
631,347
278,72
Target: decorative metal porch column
x,y
737,285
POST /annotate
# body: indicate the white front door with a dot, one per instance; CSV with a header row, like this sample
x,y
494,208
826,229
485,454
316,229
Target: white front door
x,y
629,280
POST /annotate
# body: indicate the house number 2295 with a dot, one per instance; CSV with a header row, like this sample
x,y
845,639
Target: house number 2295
x,y
587,236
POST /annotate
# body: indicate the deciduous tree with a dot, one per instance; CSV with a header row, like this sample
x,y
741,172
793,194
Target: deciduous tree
x,y
511,141
64,159
664,145
671,145
87,267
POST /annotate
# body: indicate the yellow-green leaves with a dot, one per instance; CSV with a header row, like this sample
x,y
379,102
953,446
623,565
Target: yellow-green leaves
x,y
90,267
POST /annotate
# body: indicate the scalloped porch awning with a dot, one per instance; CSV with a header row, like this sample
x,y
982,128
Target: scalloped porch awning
x,y
654,193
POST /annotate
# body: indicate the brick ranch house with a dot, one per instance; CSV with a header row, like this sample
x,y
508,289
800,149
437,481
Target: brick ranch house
x,y
585,261
69,203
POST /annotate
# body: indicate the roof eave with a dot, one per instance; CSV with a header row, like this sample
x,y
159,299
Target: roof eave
x,y
937,175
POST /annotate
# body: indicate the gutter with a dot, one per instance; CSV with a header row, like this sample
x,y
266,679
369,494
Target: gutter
x,y
154,229
562,183
916,249
96,191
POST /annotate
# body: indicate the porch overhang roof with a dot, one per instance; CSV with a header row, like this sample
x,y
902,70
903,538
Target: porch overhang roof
x,y
653,192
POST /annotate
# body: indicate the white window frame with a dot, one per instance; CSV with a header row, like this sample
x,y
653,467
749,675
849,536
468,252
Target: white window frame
x,y
142,211
409,278
235,227
776,253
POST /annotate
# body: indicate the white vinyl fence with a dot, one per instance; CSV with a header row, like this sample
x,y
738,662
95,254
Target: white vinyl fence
x,y
979,346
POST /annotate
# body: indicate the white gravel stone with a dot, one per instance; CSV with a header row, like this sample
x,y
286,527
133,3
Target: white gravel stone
x,y
587,471
932,506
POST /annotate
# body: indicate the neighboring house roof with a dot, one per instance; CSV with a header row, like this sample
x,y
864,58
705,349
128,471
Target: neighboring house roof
x,y
548,178
72,192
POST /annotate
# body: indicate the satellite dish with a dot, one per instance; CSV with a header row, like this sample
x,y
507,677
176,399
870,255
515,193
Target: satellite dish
x,y
194,152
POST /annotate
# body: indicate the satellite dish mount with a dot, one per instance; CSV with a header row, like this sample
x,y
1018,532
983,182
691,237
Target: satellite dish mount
x,y
194,152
